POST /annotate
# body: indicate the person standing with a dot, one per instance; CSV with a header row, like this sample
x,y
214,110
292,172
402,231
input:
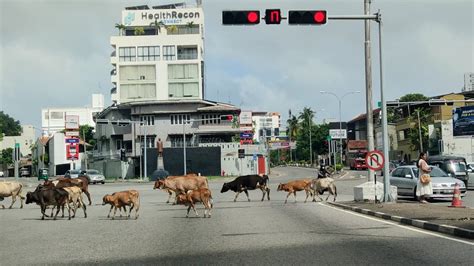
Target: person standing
x,y
424,188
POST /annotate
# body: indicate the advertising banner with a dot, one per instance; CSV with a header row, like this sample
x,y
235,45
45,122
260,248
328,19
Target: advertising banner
x,y
463,121
338,134
245,118
72,122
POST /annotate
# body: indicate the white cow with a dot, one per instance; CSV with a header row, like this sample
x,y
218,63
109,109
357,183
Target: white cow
x,y
11,189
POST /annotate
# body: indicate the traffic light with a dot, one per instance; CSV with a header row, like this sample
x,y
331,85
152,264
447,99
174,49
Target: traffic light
x,y
242,17
227,117
272,16
307,17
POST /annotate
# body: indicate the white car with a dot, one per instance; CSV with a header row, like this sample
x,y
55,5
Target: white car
x,y
470,171
2,174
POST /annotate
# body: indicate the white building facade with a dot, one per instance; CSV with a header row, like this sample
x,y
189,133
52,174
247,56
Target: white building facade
x,y
26,140
266,125
53,119
158,55
468,82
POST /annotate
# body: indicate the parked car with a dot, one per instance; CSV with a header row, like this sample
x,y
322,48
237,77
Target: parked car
x,y
456,166
24,172
405,178
470,171
2,174
72,173
93,176
358,164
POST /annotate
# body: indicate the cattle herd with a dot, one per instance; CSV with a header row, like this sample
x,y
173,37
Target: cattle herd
x,y
187,190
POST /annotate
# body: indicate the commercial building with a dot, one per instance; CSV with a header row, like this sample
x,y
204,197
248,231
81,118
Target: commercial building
x,y
266,125
25,140
53,119
468,82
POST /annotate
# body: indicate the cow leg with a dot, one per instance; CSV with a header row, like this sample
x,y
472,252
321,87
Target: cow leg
x,y
194,209
13,201
62,207
43,210
68,210
170,195
189,208
236,195
58,207
21,200
268,193
131,208
286,200
294,193
115,211
264,191
111,207
247,193
307,195
88,196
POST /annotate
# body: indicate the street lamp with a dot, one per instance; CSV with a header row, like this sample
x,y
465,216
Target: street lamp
x,y
340,118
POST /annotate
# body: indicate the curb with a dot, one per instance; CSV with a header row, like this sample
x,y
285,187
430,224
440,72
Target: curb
x,y
441,228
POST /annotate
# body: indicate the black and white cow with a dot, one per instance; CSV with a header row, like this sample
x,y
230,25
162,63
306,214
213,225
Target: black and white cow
x,y
248,182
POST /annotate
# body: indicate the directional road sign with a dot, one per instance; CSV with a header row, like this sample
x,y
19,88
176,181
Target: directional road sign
x,y
375,160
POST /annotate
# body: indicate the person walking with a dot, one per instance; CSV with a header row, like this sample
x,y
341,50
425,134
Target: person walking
x,y
424,188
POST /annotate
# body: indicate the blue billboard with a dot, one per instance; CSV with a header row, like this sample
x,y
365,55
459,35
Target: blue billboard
x,y
463,121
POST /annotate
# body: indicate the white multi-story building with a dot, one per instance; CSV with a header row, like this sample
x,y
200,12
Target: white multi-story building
x,y
266,125
158,55
25,140
468,81
53,119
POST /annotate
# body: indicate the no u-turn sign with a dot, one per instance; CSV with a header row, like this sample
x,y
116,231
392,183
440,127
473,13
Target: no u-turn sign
x,y
375,160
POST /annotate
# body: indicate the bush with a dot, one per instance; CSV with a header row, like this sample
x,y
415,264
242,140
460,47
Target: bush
x,y
339,167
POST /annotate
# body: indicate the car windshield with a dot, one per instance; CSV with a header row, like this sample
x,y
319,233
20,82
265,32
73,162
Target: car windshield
x,y
93,172
458,166
435,172
74,172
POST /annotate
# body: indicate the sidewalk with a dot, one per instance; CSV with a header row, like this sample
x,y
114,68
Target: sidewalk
x,y
454,221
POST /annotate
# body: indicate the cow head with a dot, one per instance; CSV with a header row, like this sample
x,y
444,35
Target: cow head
x,y
225,188
29,197
181,198
159,184
105,199
280,187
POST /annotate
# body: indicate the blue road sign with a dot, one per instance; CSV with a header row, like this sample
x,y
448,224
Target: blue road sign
x,y
254,157
72,140
244,135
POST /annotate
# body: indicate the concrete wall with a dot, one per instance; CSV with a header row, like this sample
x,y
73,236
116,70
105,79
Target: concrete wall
x,y
113,168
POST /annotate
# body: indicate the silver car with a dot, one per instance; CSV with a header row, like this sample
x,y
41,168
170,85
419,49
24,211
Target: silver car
x,y
93,176
74,173
405,178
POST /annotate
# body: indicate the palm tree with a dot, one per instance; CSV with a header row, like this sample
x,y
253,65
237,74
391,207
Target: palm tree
x,y
293,128
120,27
139,31
307,116
157,25
172,28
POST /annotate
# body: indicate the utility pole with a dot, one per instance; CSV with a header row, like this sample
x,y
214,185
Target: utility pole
x,y
368,86
184,148
310,143
85,149
419,130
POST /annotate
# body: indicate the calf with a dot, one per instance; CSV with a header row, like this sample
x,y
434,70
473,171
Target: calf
x,y
81,182
248,182
44,197
198,195
294,186
11,189
75,197
320,185
121,199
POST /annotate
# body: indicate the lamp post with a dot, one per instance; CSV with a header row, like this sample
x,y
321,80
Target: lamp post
x,y
340,114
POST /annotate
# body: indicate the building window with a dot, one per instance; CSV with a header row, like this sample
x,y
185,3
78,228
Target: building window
x,y
148,53
185,29
127,54
401,135
180,118
169,52
183,80
187,52
119,144
46,115
148,120
57,115
150,141
137,91
209,119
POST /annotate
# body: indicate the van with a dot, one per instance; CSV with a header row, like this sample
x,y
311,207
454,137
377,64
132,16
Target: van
x,y
455,166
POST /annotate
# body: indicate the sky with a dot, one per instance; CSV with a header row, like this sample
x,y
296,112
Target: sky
x,y
56,53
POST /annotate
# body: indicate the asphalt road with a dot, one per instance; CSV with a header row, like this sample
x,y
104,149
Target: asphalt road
x,y
256,233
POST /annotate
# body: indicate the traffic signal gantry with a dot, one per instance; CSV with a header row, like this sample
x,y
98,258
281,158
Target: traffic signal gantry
x,y
274,16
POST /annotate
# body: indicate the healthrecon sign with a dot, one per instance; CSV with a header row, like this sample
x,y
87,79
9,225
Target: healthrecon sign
x,y
167,16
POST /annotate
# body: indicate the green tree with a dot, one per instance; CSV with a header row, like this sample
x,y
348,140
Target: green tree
x,y
414,132
413,97
139,31
8,125
120,27
87,132
293,127
6,156
157,25
306,127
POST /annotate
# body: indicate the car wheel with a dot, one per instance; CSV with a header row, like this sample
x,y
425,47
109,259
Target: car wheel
x,y
103,182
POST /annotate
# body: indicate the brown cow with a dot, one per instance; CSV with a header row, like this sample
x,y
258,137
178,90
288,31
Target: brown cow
x,y
11,189
121,199
81,182
198,195
296,185
75,197
181,184
170,192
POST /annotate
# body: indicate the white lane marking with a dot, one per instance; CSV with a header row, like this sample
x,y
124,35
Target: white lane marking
x,y
399,225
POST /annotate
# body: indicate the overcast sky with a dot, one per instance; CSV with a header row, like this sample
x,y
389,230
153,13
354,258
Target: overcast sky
x,y
57,53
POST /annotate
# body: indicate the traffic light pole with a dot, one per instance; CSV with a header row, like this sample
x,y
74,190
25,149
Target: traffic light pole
x,y
368,77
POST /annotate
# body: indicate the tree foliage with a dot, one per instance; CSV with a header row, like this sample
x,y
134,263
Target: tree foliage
x,y
413,97
87,132
6,156
414,132
8,125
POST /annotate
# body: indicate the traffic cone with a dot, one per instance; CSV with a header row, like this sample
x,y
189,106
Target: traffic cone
x,y
457,202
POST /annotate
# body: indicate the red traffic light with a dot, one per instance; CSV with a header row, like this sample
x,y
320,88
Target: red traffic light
x,y
307,17
227,117
243,17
